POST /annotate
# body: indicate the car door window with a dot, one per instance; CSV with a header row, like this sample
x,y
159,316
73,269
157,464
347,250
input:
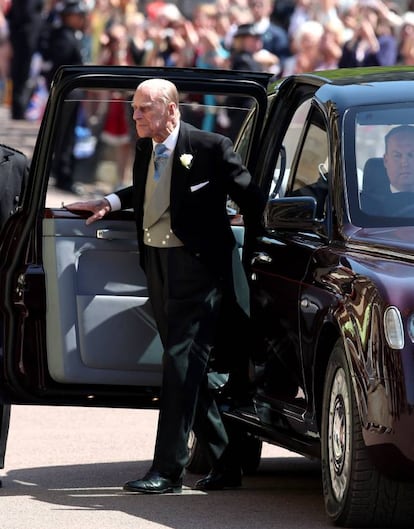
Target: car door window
x,y
95,286
310,177
94,145
286,156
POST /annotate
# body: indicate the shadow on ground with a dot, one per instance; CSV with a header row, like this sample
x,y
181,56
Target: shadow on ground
x,y
285,492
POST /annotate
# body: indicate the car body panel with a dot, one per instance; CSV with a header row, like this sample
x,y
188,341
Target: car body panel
x,y
318,278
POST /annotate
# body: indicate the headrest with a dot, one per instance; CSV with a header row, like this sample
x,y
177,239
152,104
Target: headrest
x,y
375,179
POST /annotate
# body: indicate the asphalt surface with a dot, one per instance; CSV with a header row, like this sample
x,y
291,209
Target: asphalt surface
x,y
65,466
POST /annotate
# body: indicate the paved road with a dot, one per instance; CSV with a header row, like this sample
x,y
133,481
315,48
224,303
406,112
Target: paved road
x,y
65,466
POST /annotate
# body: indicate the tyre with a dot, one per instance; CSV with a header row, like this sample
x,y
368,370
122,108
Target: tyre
x,y
251,451
356,494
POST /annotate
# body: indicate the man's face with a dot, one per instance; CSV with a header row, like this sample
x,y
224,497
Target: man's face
x,y
152,116
399,161
260,8
77,21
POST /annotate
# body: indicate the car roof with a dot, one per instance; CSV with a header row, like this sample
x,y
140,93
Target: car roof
x,y
351,87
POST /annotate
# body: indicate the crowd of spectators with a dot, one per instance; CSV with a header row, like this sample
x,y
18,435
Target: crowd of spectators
x,y
279,36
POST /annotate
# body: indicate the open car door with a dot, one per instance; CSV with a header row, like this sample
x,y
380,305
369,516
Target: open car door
x,y
78,327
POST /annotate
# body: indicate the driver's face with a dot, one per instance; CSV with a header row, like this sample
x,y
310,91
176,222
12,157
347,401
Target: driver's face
x,y
399,161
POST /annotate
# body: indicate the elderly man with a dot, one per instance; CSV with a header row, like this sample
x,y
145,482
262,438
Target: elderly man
x,y
181,179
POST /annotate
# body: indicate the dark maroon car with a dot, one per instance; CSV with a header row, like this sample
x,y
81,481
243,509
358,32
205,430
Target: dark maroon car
x,y
331,277
333,290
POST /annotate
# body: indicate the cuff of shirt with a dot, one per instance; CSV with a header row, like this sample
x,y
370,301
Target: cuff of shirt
x,y
114,201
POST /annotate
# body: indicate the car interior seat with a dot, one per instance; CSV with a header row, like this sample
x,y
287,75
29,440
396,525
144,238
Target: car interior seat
x,y
375,185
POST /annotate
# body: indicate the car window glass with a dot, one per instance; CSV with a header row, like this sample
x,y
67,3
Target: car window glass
x,y
94,143
385,190
311,173
243,143
286,156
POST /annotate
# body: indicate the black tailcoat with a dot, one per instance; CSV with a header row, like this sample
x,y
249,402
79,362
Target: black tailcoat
x,y
13,174
198,196
187,285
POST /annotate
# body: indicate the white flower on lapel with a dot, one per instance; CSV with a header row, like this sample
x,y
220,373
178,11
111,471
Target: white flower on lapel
x,y
186,160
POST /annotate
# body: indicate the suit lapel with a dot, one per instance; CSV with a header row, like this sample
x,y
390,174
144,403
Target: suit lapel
x,y
180,174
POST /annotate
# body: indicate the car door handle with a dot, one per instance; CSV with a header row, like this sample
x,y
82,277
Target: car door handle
x,y
111,235
261,257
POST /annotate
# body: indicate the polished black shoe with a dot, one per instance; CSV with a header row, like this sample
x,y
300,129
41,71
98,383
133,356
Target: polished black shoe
x,y
154,483
217,480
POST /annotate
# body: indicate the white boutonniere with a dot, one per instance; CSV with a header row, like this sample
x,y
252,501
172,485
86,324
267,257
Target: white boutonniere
x,y
186,160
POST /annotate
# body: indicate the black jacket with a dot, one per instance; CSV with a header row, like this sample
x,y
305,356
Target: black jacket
x,y
65,47
14,170
198,213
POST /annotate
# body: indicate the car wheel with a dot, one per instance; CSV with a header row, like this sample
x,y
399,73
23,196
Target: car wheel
x,y
251,451
356,494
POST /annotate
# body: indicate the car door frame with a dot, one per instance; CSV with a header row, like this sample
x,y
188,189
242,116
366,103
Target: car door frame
x,y
296,419
24,369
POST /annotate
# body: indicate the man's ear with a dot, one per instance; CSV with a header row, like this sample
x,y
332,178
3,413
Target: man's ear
x,y
172,109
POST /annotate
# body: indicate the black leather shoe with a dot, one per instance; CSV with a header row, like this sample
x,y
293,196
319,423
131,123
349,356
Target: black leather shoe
x,y
154,483
217,480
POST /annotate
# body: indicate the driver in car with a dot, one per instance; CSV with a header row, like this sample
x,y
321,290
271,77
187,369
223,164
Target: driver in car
x,y
389,182
399,158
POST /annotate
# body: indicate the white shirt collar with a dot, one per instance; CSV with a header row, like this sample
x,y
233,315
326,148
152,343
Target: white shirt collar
x,y
262,25
172,139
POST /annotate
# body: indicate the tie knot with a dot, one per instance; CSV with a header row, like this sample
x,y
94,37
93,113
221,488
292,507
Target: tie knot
x,y
160,151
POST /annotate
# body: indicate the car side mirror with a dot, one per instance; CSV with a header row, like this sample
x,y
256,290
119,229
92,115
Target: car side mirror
x,y
291,213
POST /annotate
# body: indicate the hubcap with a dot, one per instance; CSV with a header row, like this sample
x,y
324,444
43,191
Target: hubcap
x,y
339,431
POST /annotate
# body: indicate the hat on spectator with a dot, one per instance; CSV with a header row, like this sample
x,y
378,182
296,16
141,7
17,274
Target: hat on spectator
x,y
247,30
74,7
408,18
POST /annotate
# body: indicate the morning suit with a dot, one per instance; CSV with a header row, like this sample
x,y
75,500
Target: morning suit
x,y
187,279
13,175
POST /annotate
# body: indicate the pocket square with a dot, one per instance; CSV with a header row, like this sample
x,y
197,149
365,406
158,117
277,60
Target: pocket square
x,y
199,186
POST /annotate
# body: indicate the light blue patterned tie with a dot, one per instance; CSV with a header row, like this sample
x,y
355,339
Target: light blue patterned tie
x,y
160,159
